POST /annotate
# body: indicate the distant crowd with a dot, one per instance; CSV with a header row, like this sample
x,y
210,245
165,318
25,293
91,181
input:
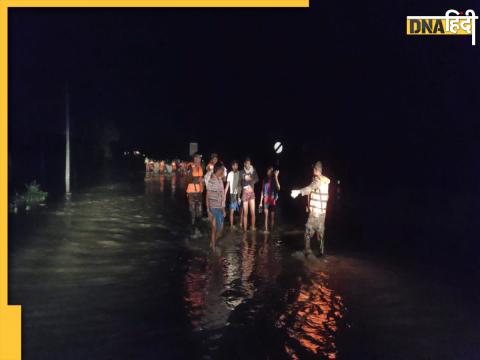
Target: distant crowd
x,y
165,167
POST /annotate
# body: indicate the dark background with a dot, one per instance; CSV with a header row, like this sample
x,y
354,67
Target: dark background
x,y
394,117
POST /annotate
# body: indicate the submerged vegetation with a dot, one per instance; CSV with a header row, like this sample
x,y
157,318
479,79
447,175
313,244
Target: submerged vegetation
x,y
32,196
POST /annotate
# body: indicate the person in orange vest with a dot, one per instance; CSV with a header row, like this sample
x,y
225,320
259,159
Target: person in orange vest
x,y
162,166
194,182
317,192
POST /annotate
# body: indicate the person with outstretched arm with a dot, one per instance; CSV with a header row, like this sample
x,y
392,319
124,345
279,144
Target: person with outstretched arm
x,y
317,206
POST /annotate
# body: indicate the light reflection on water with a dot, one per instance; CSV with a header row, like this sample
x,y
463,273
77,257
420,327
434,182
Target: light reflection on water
x,y
312,320
240,273
114,243
215,284
113,274
237,281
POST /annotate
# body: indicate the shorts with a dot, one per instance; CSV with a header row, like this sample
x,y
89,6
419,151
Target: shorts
x,y
270,207
234,204
269,203
248,195
218,216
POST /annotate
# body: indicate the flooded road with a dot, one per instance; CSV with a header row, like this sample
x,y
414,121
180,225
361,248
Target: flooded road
x,y
114,274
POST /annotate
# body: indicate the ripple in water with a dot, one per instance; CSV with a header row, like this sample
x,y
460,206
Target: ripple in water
x,y
313,319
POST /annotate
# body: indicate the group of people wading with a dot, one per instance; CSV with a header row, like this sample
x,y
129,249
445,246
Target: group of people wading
x,y
238,185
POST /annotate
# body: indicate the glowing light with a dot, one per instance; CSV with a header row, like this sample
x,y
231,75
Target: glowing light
x,y
278,147
312,320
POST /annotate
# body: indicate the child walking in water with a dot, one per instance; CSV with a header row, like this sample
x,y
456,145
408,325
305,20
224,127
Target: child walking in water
x,y
269,196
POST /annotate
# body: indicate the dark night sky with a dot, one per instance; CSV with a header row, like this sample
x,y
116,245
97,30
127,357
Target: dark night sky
x,y
342,77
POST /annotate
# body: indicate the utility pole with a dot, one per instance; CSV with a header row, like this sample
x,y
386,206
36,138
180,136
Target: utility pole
x,y
67,144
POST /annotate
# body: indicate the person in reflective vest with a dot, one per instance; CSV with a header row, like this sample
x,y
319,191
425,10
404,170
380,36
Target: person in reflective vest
x,y
194,182
317,192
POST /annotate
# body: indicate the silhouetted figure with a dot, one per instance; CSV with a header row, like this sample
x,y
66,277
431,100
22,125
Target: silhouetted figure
x,y
194,180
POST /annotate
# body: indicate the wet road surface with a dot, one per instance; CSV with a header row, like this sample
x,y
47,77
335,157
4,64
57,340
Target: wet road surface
x,y
114,274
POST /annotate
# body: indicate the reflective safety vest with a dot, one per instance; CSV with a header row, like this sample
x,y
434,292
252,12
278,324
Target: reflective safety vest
x,y
195,185
319,197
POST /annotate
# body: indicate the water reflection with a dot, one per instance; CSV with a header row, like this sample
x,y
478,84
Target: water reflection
x,y
312,320
239,279
162,183
216,283
251,297
150,183
155,183
174,184
204,283
116,264
268,264
248,261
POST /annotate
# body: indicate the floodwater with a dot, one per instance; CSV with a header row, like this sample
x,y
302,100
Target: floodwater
x,y
114,274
